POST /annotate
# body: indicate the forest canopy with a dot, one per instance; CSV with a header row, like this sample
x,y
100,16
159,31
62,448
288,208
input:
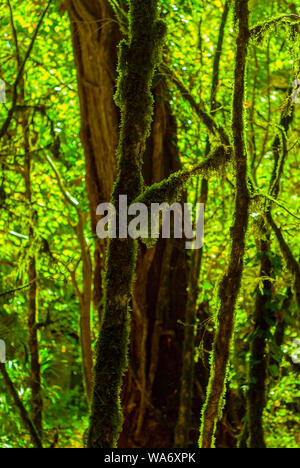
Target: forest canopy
x,y
136,341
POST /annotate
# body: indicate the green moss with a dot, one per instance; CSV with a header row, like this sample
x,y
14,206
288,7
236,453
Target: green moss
x,y
138,58
170,190
231,281
261,30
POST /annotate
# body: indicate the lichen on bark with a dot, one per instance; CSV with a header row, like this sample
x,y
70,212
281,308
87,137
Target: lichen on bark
x,y
138,59
231,281
263,314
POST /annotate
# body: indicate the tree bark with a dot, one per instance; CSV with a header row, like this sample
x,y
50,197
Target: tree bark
x,y
138,58
258,362
95,37
263,316
187,378
33,341
146,407
230,284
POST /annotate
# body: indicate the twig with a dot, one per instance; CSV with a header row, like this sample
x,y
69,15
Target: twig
x,y
258,31
273,200
290,260
212,126
7,122
13,291
23,412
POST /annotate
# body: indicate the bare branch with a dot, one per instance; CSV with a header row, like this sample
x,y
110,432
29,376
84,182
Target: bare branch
x,y
7,122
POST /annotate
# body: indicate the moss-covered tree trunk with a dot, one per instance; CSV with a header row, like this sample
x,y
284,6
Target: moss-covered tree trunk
x,y
258,361
150,391
187,377
264,315
150,396
230,284
32,297
137,61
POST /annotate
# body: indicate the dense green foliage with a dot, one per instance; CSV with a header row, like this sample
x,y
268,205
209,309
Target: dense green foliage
x,y
45,123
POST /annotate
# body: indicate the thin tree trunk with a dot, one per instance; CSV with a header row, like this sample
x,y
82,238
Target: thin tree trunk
x,y
33,341
85,310
35,368
187,379
230,284
35,437
258,362
256,397
35,424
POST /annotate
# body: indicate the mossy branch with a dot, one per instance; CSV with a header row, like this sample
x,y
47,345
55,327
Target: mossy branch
x,y
287,254
280,157
65,194
182,430
260,30
212,126
11,292
121,16
263,313
231,281
259,193
170,190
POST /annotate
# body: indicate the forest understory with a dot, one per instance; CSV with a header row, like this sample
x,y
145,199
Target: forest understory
x,y
149,228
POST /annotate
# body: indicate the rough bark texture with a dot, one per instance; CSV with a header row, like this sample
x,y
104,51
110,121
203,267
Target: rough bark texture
x,y
33,341
95,38
258,370
187,378
150,396
263,315
231,281
137,61
95,49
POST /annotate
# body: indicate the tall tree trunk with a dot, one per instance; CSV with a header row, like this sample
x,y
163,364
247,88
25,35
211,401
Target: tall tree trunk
x,y
187,379
137,61
35,368
230,284
258,362
150,393
95,38
85,299
256,398
150,397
